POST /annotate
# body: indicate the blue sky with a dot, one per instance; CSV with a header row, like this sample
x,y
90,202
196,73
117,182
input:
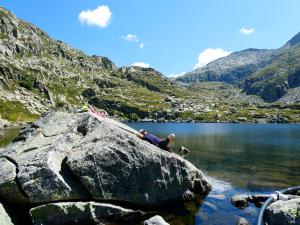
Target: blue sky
x,y
168,35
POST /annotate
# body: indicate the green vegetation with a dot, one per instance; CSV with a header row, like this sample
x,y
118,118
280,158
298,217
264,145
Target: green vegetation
x,y
51,72
15,112
3,35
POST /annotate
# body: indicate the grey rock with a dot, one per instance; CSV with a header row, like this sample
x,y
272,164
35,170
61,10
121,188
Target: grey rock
x,y
4,123
156,220
240,201
242,221
64,157
9,185
82,213
283,212
4,217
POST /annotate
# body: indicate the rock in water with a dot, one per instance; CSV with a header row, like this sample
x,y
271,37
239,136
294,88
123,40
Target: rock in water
x,y
66,157
242,221
283,212
4,217
156,220
82,213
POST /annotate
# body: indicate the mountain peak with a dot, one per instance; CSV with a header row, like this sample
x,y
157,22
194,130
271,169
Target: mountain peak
x,y
294,41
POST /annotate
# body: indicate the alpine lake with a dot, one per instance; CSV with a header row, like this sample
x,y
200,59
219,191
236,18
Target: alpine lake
x,y
235,158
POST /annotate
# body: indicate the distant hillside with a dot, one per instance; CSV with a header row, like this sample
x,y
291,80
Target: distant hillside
x,y
266,73
38,73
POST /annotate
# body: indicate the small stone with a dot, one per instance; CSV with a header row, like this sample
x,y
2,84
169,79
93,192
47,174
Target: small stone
x,y
240,201
156,220
242,221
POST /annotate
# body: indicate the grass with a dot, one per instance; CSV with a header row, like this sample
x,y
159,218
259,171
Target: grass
x,y
14,111
3,36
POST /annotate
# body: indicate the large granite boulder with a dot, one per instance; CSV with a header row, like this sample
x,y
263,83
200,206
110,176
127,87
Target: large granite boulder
x,y
82,213
79,157
283,212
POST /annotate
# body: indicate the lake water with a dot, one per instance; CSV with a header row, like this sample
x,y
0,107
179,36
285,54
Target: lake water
x,y
237,159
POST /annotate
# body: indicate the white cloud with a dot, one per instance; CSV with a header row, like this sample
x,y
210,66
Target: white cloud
x,y
247,31
130,37
133,38
141,64
176,75
209,55
100,16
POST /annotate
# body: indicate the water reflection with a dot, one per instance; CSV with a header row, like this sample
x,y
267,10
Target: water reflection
x,y
237,159
250,156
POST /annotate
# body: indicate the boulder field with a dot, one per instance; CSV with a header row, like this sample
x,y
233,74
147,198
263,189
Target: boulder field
x,y
90,170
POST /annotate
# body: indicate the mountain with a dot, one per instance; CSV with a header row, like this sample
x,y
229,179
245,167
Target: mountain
x,y
277,78
266,73
38,73
230,69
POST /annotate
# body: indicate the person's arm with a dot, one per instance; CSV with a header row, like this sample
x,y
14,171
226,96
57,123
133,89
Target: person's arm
x,y
140,135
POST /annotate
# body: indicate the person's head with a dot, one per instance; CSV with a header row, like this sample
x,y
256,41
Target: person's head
x,y
142,131
171,138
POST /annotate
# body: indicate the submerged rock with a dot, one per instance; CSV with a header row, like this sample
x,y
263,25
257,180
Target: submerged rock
x,y
283,212
242,221
156,220
65,157
240,201
82,213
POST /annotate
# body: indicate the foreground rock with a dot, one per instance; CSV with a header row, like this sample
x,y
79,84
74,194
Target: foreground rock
x,y
4,217
156,220
4,123
283,212
66,157
82,213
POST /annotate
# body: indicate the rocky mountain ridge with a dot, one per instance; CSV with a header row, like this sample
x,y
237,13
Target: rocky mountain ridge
x,y
39,73
266,73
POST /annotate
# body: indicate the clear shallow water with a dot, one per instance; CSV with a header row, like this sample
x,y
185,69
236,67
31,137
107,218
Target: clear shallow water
x,y
237,158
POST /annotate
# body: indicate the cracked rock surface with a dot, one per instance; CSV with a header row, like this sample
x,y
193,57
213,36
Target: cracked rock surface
x,y
68,158
82,212
283,212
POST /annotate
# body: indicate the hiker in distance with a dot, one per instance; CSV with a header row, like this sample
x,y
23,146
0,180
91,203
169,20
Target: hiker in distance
x,y
161,143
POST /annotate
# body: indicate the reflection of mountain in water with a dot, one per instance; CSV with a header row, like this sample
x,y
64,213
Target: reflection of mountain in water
x,y
249,156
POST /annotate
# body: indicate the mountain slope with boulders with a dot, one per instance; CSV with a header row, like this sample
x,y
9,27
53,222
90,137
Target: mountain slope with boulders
x,y
39,73
265,73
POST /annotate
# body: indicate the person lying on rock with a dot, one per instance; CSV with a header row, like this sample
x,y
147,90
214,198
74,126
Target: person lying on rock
x,y
152,139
